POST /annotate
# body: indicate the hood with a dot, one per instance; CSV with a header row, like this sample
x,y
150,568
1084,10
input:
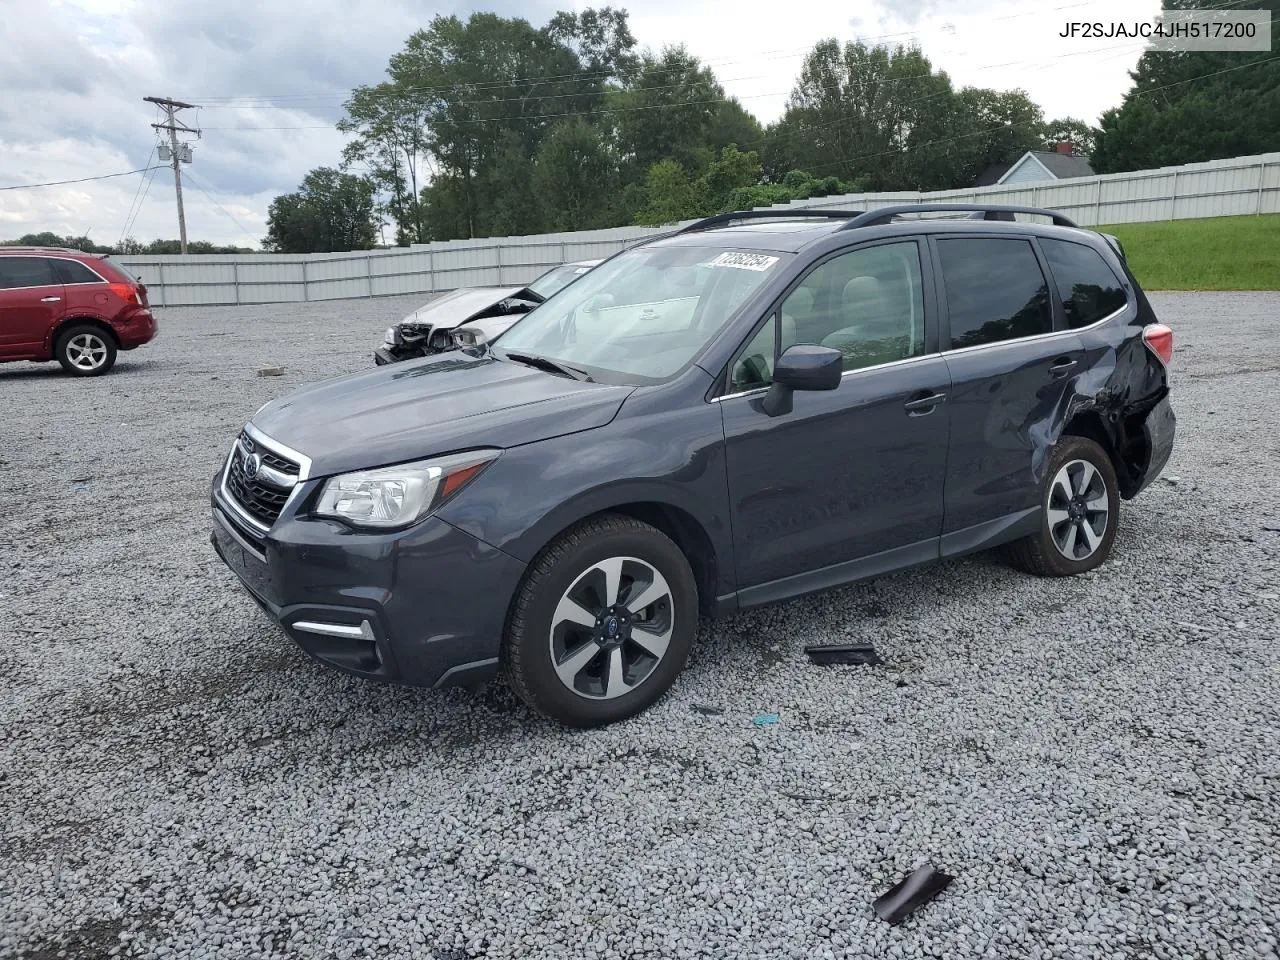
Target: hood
x,y
446,402
492,326
468,303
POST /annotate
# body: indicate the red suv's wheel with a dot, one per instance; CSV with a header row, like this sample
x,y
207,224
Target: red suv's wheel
x,y
85,351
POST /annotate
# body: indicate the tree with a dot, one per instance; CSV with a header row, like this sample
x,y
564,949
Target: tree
x,y
508,204
729,172
49,239
1194,106
390,140
129,246
731,123
884,116
670,195
1081,136
600,39
331,211
575,177
666,111
471,101
881,113
995,127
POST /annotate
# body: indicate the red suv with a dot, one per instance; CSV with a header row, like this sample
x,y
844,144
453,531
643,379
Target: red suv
x,y
76,308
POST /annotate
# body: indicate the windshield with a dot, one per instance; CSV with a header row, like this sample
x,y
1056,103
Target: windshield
x,y
557,278
646,313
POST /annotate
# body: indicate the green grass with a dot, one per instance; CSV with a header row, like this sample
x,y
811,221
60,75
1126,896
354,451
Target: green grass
x,y
1220,253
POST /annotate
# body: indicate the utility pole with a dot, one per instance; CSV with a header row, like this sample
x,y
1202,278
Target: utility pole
x,y
177,153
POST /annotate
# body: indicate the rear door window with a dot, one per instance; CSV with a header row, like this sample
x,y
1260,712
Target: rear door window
x,y
995,290
72,271
1088,288
18,272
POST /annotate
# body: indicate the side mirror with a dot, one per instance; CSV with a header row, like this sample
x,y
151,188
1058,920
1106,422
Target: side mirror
x,y
804,366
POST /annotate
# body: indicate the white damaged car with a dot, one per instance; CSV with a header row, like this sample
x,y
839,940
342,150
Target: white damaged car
x,y
471,316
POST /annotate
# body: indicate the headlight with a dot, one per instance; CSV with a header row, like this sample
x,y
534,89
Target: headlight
x,y
389,338
398,496
468,338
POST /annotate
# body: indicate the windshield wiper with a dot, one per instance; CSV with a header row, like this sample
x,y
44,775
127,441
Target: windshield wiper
x,y
546,363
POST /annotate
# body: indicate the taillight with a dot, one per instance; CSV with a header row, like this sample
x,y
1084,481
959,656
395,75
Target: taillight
x,y
142,295
1159,340
126,292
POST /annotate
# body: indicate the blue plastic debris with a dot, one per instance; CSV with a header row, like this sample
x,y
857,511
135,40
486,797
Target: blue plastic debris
x,y
765,719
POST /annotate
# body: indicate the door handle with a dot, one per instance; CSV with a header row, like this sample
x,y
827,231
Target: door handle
x,y
1061,367
922,406
50,299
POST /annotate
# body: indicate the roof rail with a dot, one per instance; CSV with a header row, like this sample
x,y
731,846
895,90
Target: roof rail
x,y
798,213
26,248
991,211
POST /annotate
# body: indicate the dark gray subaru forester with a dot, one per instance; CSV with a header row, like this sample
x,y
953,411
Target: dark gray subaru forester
x,y
754,408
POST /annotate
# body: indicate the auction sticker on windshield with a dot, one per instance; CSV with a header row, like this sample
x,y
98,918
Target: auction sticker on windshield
x,y
744,261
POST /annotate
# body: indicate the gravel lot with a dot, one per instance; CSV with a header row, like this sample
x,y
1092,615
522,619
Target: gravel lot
x,y
1097,760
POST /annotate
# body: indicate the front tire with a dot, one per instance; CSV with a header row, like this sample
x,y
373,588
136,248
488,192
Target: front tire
x,y
85,351
1080,510
602,623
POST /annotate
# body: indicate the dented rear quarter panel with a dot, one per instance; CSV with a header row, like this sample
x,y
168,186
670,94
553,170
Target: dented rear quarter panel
x,y
1120,385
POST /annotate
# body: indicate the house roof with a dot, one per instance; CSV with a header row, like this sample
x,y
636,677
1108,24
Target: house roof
x,y
1061,166
991,175
1064,166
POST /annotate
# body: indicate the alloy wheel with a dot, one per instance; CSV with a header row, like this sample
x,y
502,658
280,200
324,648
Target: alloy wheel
x,y
86,351
611,628
1078,510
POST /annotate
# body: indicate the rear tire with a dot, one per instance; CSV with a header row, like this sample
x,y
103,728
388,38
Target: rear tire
x,y
602,623
85,350
1080,510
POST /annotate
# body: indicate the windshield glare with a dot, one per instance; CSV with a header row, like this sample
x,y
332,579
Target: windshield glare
x,y
556,279
646,313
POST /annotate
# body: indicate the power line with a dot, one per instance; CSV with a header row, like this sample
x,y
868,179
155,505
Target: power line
x,y
225,211
138,210
137,191
60,183
782,53
1038,61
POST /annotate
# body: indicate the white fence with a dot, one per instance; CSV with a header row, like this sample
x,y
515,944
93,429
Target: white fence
x,y
1219,188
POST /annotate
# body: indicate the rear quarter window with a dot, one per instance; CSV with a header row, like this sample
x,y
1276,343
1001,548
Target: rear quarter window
x,y
1086,285
72,271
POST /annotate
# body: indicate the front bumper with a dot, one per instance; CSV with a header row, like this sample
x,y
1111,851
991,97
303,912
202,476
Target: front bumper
x,y
424,606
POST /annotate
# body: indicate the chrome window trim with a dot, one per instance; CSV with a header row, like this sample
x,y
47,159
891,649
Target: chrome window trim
x,y
1052,334
101,278
58,283
951,350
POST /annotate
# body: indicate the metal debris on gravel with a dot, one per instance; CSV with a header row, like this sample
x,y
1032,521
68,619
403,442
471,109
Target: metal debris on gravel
x,y
178,781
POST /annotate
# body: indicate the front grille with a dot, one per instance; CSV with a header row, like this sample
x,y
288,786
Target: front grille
x,y
258,497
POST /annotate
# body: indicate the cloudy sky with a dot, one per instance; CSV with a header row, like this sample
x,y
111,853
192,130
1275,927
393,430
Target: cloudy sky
x,y
73,74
